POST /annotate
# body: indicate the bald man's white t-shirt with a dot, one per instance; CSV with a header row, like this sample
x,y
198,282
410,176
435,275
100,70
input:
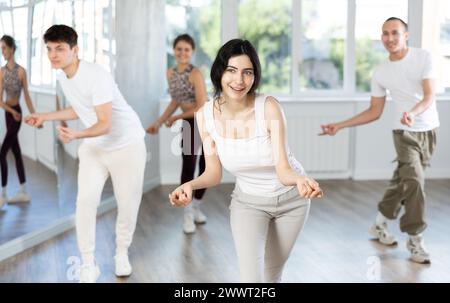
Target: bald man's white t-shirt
x,y
92,86
403,79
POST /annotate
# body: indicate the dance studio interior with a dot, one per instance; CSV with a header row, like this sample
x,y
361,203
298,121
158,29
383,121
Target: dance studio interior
x,y
291,141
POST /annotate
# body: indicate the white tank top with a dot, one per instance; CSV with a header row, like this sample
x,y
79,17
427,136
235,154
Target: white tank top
x,y
250,160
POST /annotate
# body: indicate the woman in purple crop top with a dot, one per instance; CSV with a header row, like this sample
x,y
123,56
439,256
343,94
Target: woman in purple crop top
x,y
13,79
188,91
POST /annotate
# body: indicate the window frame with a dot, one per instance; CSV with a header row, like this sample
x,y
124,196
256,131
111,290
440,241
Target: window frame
x,y
31,5
229,30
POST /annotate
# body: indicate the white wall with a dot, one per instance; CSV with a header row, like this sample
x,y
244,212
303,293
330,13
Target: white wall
x,y
141,64
374,148
361,153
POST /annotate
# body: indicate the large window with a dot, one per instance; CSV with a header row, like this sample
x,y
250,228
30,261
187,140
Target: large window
x,y
92,19
5,26
436,38
306,47
18,2
20,21
310,46
200,19
323,38
43,17
267,25
444,44
370,51
14,22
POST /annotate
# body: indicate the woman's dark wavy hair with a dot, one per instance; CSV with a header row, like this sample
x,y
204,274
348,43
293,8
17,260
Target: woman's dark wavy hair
x,y
9,41
186,38
233,48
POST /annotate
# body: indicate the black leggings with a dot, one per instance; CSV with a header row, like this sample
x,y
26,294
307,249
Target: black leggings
x,y
190,145
12,142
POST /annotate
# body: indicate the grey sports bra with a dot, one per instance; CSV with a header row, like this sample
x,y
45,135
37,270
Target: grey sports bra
x,y
180,88
11,81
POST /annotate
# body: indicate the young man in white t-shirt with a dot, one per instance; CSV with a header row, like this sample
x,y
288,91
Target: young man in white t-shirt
x,y
408,75
113,146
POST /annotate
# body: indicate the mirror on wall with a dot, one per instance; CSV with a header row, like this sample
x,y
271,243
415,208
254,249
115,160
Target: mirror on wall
x,y
49,166
34,203
50,169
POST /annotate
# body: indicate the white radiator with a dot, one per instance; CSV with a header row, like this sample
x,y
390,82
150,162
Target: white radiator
x,y
325,156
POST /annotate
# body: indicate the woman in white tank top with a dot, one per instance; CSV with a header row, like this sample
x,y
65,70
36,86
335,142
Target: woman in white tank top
x,y
246,134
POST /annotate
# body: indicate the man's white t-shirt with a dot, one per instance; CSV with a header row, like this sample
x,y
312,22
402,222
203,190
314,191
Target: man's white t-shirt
x,y
403,79
92,86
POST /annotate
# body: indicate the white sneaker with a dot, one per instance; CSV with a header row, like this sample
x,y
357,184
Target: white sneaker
x,y
3,201
89,273
123,266
417,249
381,233
199,216
20,197
189,225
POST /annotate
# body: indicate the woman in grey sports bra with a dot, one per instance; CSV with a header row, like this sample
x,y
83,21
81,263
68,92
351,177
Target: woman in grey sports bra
x,y
188,92
13,80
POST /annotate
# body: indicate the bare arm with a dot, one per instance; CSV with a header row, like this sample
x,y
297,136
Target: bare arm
x,y
154,127
276,125
37,119
213,171
212,175
428,86
64,115
200,95
3,104
103,125
429,94
171,108
7,108
371,114
26,93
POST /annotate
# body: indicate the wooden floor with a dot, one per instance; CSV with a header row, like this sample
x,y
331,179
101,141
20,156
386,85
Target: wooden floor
x,y
22,218
333,247
52,197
